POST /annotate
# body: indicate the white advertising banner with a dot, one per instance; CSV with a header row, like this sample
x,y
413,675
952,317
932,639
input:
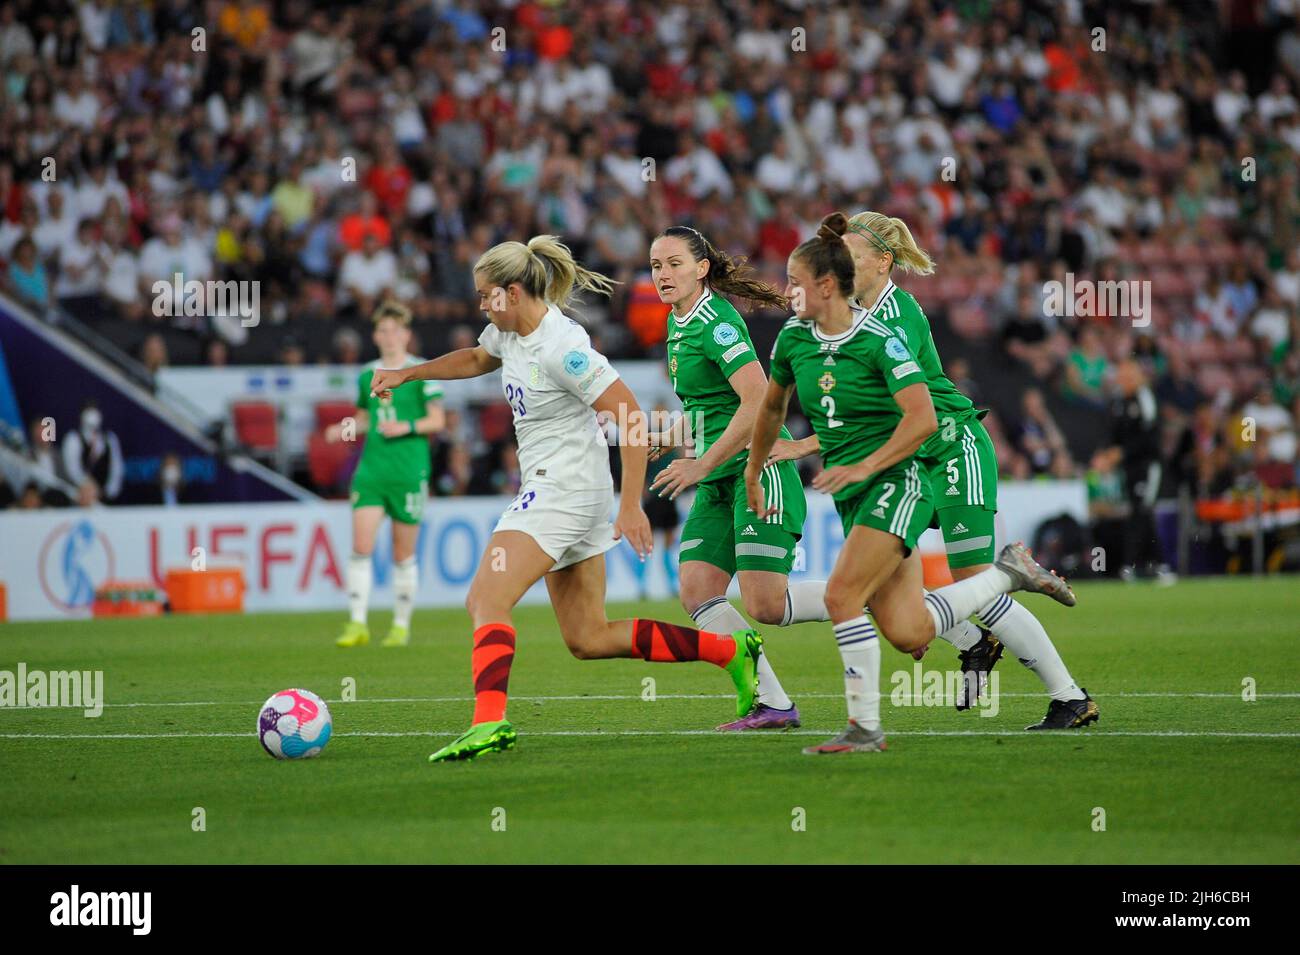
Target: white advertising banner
x,y
294,556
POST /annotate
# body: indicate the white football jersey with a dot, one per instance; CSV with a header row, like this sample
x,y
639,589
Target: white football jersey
x,y
551,378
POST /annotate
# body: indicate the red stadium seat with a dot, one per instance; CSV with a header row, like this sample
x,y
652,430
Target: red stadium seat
x,y
332,412
257,424
327,463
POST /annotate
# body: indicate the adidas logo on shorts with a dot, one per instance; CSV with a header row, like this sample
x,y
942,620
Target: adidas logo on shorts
x,y
952,491
878,512
961,528
749,531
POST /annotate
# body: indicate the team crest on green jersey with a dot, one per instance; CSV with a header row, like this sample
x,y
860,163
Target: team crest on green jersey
x,y
826,382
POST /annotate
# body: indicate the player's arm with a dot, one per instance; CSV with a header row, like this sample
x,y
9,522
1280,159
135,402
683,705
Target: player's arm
x,y
618,403
749,383
360,425
462,363
793,449
767,427
918,422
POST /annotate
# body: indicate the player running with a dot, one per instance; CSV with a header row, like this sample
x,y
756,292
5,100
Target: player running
x,y
963,471
391,479
721,384
867,398
558,527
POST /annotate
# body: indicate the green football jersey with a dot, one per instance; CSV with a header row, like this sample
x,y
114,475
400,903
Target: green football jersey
x,y
846,384
402,460
705,348
899,311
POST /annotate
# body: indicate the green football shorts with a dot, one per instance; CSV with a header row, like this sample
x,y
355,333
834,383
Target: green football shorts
x,y
721,529
964,477
897,501
404,503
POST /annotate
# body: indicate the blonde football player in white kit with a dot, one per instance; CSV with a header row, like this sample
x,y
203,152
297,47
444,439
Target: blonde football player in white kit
x,y
559,527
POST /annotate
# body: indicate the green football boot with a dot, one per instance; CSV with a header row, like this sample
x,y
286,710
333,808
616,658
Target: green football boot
x,y
743,669
397,637
494,737
354,635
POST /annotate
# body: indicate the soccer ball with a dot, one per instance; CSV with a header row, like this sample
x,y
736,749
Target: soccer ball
x,y
294,724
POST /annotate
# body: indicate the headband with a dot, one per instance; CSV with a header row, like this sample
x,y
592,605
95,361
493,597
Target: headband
x,y
873,237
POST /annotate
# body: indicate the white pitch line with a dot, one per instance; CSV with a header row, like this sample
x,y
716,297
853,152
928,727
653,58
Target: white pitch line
x,y
1175,734
637,697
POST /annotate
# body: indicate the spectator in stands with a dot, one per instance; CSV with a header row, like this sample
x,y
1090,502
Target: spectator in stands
x,y
368,276
43,452
347,346
92,457
506,477
26,279
170,479
1040,440
153,353
30,499
216,353
83,270
456,478
165,257
1086,369
1270,425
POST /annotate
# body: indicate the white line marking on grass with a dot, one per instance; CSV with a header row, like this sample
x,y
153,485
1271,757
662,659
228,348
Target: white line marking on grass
x,y
635,697
1096,733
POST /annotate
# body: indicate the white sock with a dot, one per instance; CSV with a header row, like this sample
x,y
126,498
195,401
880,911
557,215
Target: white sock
x,y
1025,637
860,651
963,636
360,576
717,615
805,601
405,579
958,601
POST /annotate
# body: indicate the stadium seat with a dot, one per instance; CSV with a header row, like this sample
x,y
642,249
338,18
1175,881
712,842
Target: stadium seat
x,y
327,464
257,425
332,412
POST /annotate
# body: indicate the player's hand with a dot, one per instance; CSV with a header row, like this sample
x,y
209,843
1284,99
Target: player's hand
x,y
754,494
385,380
677,477
840,476
635,526
785,450
917,654
661,444
334,433
394,429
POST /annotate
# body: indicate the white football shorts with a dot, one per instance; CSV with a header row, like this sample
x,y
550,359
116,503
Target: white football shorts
x,y
567,525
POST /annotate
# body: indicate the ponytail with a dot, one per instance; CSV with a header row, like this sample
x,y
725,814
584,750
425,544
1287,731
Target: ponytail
x,y
826,253
544,267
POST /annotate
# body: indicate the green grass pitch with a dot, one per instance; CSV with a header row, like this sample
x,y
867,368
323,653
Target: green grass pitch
x,y
1183,768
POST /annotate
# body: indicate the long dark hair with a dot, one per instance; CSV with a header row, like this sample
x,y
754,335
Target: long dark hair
x,y
726,275
826,252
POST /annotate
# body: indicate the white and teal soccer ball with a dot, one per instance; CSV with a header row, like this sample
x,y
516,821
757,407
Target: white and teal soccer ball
x,y
294,724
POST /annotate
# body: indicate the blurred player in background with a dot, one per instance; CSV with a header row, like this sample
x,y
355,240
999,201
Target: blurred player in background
x,y
392,478
717,376
558,527
870,406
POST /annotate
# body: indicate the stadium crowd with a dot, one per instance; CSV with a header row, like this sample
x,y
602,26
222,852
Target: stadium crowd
x,y
338,154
